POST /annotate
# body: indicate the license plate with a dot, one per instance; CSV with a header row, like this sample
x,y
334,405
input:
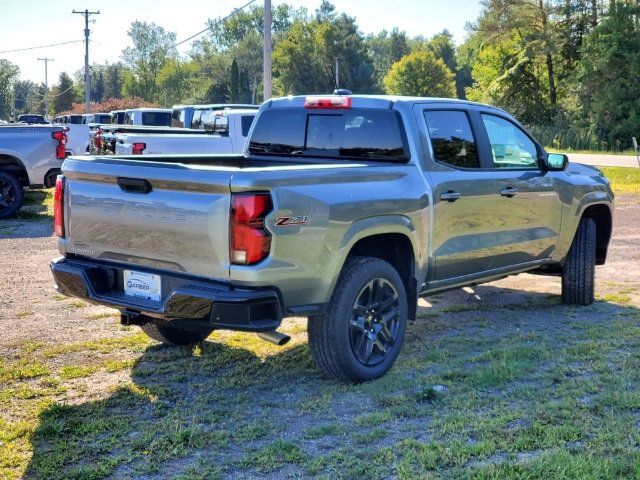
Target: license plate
x,y
144,285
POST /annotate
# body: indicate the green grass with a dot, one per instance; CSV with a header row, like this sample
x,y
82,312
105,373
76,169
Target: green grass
x,y
623,179
38,205
536,392
591,152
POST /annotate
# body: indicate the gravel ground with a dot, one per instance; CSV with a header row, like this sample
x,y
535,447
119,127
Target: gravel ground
x,y
31,310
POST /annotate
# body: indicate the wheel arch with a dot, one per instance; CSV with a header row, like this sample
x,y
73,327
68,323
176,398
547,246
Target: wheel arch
x,y
13,164
603,218
390,238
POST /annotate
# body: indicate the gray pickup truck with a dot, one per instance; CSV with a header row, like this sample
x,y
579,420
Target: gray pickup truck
x,y
30,156
344,209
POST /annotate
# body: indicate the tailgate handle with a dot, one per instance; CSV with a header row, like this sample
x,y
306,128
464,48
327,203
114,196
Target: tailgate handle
x,y
134,185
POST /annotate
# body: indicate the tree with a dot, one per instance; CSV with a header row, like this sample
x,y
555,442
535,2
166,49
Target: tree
x,y
234,91
113,80
304,57
421,74
385,49
608,73
64,95
8,75
175,81
152,47
97,85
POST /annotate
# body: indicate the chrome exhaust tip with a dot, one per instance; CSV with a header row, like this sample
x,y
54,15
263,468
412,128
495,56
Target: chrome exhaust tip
x,y
274,337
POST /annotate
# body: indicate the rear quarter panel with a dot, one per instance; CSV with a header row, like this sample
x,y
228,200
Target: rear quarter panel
x,y
342,204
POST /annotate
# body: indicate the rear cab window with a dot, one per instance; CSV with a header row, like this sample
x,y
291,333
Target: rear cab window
x,y
363,133
156,119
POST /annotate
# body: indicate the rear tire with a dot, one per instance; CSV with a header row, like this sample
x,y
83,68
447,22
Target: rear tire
x,y
578,272
174,335
359,336
11,195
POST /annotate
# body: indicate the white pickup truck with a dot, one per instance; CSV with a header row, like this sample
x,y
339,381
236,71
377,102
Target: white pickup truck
x,y
77,133
30,156
229,130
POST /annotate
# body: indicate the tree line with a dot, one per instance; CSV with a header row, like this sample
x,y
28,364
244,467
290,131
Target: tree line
x,y
566,68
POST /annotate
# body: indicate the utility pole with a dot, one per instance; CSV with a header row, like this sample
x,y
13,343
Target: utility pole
x,y
87,77
337,73
46,84
266,72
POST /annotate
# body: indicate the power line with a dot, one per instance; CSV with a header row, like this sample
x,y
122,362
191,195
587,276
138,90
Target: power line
x,y
40,46
220,20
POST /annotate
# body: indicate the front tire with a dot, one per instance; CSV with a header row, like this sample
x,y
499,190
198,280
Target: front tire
x,y
11,195
578,272
174,335
359,336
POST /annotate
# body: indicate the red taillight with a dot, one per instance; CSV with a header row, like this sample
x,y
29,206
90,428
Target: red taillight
x,y
58,211
98,139
138,148
61,137
250,241
335,103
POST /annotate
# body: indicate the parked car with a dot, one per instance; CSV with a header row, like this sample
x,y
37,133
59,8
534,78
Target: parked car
x,y
228,128
30,156
344,209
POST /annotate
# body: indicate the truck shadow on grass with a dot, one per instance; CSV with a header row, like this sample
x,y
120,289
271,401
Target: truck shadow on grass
x,y
35,218
494,390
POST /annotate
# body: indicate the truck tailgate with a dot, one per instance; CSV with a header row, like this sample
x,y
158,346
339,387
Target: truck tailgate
x,y
179,225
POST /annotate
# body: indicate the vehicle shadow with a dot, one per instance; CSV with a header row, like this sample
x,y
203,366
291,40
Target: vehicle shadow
x,y
220,402
179,399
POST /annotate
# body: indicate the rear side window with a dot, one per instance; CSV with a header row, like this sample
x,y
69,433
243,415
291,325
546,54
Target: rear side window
x,y
451,138
156,119
246,121
359,133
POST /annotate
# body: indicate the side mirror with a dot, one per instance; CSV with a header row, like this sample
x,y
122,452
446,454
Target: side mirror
x,y
556,162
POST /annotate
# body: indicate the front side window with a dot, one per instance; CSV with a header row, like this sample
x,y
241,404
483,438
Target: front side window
x,y
452,138
510,146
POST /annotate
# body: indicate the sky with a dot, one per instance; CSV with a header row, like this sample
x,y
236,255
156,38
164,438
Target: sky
x,y
29,23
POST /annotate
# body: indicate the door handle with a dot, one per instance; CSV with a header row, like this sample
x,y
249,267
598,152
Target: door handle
x,y
509,192
450,196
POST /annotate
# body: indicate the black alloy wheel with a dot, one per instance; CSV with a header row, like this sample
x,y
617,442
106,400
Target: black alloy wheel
x,y
11,195
375,322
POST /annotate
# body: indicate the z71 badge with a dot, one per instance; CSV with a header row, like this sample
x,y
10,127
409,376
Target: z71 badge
x,y
286,221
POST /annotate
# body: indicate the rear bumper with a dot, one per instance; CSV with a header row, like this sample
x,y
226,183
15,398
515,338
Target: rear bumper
x,y
212,304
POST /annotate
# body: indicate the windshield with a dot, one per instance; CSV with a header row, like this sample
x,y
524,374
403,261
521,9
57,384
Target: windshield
x,y
350,134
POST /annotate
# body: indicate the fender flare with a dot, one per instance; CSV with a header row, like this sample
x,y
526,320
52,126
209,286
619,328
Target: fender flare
x,y
570,226
367,227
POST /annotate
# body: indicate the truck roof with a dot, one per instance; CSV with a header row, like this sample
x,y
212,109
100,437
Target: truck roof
x,y
225,106
371,101
167,110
